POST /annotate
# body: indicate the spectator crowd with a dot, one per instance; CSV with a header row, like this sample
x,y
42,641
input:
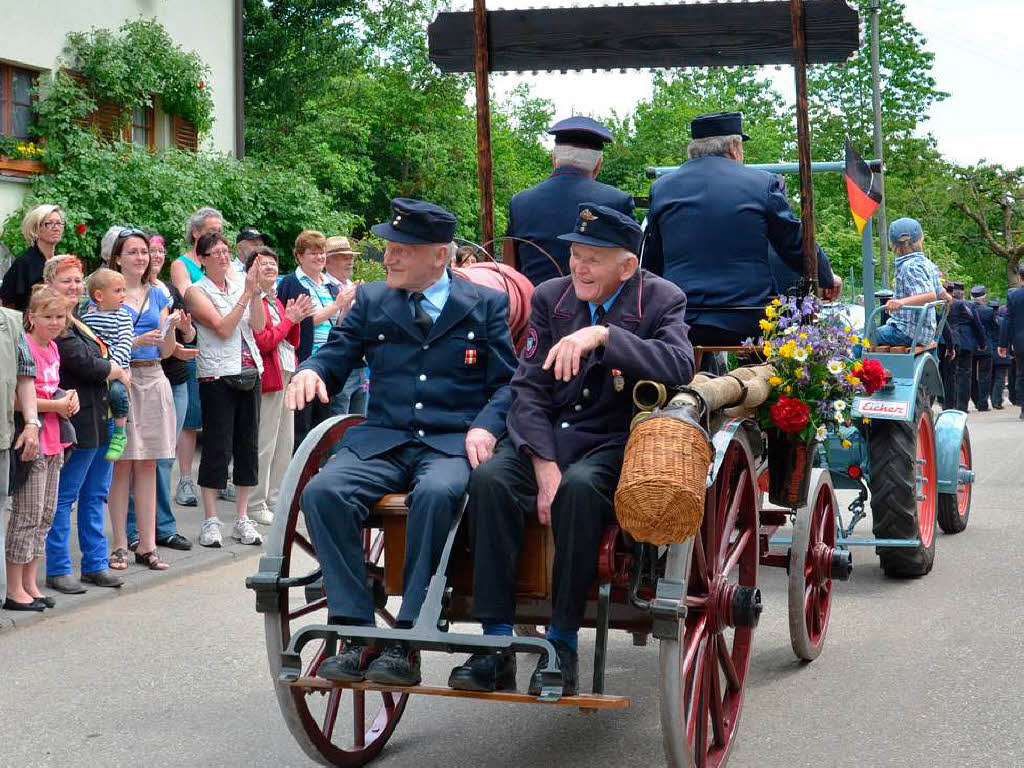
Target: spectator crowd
x,y
108,378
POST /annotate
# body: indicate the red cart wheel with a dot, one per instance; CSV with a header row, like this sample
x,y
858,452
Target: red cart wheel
x,y
339,727
703,670
810,570
955,508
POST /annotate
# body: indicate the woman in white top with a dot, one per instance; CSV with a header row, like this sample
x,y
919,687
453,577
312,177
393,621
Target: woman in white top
x,y
226,310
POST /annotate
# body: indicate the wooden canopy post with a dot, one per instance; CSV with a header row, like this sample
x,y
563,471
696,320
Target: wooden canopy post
x,y
803,133
484,168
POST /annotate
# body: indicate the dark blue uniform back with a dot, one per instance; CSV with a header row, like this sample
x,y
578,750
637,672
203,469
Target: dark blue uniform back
x,y
543,212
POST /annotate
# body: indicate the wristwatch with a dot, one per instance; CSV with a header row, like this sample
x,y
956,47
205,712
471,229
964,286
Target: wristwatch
x,y
34,422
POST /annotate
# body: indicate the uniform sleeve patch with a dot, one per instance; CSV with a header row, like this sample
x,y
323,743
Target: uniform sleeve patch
x,y
531,343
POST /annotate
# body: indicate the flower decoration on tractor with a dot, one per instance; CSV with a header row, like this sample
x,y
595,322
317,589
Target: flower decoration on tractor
x,y
818,370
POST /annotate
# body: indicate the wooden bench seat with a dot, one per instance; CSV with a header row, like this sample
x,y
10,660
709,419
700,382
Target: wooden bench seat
x,y
902,350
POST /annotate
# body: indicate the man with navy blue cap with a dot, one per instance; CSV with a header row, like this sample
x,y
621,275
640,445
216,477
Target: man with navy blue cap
x,y
440,359
981,375
592,336
715,228
538,215
971,340
1011,337
1000,360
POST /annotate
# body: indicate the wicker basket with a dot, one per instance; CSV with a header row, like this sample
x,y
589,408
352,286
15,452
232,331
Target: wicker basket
x,y
660,498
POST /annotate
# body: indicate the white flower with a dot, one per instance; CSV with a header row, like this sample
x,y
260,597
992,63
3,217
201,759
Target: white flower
x,y
789,331
800,354
839,405
835,367
820,434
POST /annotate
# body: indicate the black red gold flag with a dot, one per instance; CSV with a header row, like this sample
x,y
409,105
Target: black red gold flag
x,y
863,186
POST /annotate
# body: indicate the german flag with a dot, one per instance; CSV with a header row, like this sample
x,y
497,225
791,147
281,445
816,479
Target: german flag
x,y
863,187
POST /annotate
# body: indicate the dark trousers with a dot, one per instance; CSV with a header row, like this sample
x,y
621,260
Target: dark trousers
x,y
1014,373
1017,382
964,366
947,372
999,375
502,492
231,428
337,501
308,418
981,380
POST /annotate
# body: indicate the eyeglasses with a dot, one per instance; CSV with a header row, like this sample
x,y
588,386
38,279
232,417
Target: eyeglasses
x,y
53,224
155,251
136,252
221,253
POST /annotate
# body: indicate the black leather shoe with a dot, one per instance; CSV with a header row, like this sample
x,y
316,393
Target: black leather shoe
x,y
12,605
175,541
350,665
46,602
998,407
568,662
103,578
66,584
397,665
485,672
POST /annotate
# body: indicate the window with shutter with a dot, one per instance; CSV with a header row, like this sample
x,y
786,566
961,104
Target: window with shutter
x,y
184,134
16,85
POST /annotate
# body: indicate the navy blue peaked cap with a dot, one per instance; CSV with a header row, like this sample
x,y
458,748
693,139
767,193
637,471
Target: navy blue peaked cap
x,y
605,227
417,222
717,124
979,290
581,131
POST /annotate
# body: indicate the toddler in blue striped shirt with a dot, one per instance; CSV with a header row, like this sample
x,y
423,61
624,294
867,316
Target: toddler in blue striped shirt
x,y
113,325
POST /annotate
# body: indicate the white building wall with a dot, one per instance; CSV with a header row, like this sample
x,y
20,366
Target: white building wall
x,y
34,34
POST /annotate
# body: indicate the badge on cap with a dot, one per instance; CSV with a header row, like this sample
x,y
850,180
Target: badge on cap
x,y
618,382
586,216
531,343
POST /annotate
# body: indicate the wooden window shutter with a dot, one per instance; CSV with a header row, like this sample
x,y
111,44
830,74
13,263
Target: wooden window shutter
x,y
184,134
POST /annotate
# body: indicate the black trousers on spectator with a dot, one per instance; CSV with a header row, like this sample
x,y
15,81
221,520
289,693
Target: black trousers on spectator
x,y
1012,385
1017,382
308,418
981,380
947,372
999,374
964,365
502,492
231,427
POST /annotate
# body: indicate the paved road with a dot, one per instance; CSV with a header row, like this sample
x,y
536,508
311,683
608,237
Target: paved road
x,y
916,673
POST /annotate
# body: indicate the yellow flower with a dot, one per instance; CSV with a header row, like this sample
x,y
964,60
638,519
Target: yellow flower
x,y
853,381
847,443
865,343
788,390
803,337
776,303
767,350
765,325
774,381
770,312
866,421
848,329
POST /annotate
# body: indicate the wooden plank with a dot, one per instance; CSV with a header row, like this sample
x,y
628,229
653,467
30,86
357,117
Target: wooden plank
x,y
586,701
610,37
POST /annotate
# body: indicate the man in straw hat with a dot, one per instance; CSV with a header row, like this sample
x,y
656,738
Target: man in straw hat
x,y
592,336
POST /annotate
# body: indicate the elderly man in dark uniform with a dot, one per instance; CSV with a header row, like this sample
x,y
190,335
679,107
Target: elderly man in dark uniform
x,y
981,375
592,336
540,214
971,339
440,359
1011,336
714,229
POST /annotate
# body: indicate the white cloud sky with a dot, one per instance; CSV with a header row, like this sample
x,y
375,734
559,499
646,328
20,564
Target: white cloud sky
x,y
978,60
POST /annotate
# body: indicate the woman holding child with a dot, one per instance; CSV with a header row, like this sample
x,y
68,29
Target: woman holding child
x,y
86,367
150,428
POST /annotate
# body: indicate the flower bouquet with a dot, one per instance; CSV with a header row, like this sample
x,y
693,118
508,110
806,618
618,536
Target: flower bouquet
x,y
818,372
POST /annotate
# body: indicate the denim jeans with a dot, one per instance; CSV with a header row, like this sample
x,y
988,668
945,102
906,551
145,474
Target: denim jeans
x,y
85,480
353,396
892,336
118,399
166,525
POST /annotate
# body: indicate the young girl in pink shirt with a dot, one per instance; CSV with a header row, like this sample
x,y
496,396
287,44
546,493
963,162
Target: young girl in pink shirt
x,y
35,501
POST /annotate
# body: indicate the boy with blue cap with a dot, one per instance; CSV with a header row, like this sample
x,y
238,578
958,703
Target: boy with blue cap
x,y
592,336
917,283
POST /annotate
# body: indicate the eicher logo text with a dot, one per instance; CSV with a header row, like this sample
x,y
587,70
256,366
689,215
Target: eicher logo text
x,y
883,408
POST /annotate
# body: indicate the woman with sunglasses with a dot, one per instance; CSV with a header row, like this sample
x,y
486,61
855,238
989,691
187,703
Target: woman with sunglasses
x,y
42,227
227,310
150,428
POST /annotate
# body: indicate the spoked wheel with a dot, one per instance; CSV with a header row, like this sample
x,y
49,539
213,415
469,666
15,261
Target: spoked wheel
x,y
812,558
703,670
955,508
904,490
339,727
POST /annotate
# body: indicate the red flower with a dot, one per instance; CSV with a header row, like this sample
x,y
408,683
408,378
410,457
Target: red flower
x,y
80,229
873,376
790,414
201,84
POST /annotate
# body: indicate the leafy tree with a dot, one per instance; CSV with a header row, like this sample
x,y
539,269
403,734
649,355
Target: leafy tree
x,y
992,197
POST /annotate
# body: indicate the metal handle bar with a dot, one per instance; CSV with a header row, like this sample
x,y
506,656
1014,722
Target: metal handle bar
x,y
921,308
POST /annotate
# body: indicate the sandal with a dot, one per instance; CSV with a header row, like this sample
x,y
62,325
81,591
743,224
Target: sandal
x,y
118,559
151,560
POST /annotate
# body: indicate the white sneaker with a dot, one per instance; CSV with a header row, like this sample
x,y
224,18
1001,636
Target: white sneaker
x,y
261,515
245,531
209,534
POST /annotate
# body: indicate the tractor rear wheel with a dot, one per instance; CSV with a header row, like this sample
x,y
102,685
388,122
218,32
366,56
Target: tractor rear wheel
x,y
904,490
955,508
